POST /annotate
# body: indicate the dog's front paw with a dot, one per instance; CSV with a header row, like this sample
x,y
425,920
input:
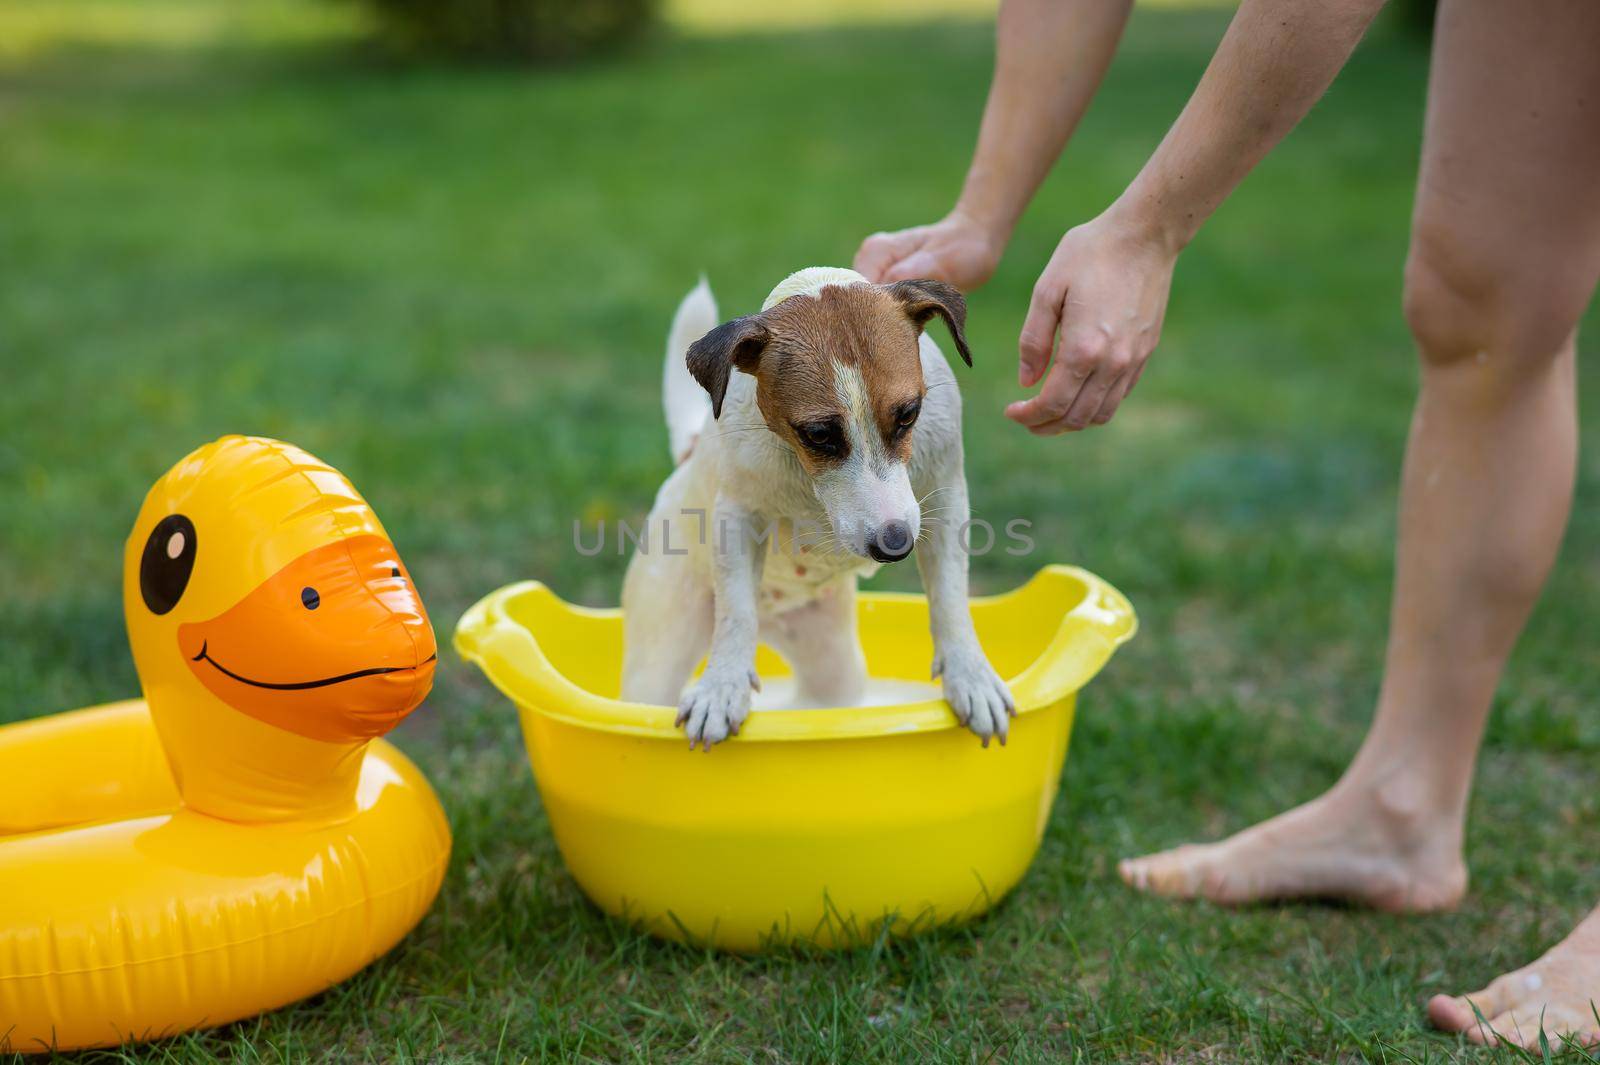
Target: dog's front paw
x,y
980,699
716,706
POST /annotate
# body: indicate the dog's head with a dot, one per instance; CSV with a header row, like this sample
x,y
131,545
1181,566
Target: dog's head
x,y
839,381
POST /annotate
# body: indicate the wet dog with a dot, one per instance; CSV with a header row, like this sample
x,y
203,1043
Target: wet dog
x,y
816,441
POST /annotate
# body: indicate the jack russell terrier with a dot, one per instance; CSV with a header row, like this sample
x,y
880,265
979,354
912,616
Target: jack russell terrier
x,y
807,468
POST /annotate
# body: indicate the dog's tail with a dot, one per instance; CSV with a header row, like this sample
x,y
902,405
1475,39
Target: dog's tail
x,y
687,405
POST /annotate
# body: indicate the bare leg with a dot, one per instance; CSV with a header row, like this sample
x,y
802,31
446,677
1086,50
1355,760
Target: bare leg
x,y
1505,255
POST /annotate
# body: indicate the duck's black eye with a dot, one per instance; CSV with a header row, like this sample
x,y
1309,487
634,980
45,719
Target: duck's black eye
x,y
167,562
310,599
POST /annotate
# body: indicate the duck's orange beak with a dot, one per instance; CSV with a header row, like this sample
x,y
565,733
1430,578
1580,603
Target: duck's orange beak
x,y
336,646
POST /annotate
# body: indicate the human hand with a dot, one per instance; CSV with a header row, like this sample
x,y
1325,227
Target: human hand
x,y
1105,290
957,250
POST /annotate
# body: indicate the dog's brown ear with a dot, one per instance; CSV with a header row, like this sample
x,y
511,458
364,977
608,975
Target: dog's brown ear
x,y
730,346
926,298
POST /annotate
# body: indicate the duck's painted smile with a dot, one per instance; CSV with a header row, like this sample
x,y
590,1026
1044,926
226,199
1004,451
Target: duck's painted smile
x,y
345,615
302,685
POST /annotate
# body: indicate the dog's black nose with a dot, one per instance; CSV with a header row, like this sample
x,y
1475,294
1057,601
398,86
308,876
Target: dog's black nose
x,y
890,542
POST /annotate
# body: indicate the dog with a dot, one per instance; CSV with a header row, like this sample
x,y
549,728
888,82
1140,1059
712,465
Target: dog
x,y
808,438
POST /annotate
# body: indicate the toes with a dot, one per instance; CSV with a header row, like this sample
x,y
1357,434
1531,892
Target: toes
x,y
1469,1014
1191,871
978,719
1135,872
1563,1026
1451,1014
960,705
992,712
698,721
712,711
988,717
715,729
1513,1010
978,698
997,700
693,717
1507,1028
1169,876
1521,1027
1168,873
1484,1029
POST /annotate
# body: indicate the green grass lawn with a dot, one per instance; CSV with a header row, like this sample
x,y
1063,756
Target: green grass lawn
x,y
454,283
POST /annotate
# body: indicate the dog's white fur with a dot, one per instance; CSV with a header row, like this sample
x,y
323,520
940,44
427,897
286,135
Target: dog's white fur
x,y
707,580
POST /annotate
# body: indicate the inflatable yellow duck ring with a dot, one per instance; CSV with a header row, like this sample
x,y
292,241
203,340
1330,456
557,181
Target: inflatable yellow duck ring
x,y
240,838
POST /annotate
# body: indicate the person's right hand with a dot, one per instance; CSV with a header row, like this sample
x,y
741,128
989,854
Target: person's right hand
x,y
957,250
1105,293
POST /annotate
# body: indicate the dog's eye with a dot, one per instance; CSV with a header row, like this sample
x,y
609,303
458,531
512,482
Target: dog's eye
x,y
824,438
906,417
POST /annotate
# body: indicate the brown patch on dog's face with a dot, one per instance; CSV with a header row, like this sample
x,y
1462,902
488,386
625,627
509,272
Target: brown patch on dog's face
x,y
839,380
846,356
837,372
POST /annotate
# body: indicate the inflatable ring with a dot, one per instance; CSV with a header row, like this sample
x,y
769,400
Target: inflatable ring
x,y
239,839
817,826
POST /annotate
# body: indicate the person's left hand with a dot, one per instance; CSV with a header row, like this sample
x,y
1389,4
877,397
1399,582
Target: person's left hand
x,y
957,250
1105,291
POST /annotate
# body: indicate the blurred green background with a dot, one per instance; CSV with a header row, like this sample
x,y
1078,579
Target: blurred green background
x,y
452,280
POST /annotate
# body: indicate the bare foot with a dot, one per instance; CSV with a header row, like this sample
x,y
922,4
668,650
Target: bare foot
x,y
1558,993
1367,845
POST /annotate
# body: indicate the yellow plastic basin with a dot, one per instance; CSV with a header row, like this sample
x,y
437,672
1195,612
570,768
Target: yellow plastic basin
x,y
814,825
